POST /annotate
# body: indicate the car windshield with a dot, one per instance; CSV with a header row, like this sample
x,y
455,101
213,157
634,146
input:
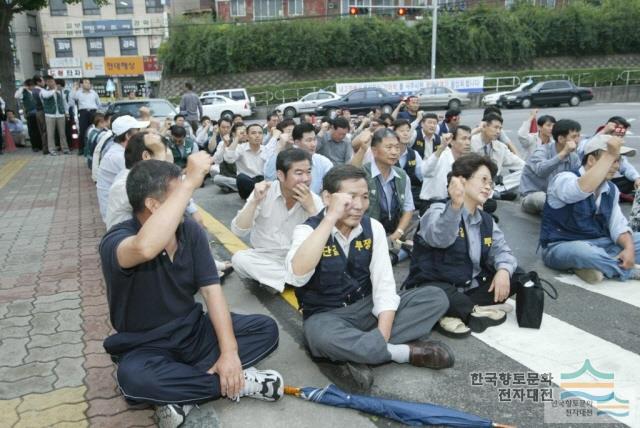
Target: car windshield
x,y
158,108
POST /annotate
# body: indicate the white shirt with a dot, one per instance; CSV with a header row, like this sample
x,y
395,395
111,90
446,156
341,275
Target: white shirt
x,y
434,175
247,161
273,223
88,100
112,163
499,153
384,295
118,206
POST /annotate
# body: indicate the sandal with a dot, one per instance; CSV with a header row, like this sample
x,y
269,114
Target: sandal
x,y
452,327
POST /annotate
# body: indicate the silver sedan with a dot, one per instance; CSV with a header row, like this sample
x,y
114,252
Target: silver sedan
x,y
439,96
307,104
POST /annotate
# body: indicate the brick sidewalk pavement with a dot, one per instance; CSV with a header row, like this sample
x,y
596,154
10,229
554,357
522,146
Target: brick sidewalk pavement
x,y
53,309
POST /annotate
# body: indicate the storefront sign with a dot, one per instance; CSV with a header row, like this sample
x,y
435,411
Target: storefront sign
x,y
123,66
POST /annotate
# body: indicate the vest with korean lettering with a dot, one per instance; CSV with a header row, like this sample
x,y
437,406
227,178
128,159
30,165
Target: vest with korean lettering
x,y
180,158
420,143
410,168
391,217
338,280
451,265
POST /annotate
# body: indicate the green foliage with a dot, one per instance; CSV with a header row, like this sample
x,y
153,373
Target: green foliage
x,y
482,35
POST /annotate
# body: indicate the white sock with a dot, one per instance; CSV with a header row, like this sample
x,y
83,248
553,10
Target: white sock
x,y
399,353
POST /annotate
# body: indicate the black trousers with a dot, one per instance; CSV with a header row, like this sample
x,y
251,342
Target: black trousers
x,y
246,184
85,118
624,185
461,304
177,372
34,132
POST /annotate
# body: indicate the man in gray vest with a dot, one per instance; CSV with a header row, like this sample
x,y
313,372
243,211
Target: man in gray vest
x,y
55,113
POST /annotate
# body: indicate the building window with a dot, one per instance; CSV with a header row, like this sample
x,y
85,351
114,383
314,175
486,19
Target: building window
x,y
95,46
63,48
58,8
32,23
37,60
124,7
238,8
128,45
89,7
296,7
154,44
154,6
267,9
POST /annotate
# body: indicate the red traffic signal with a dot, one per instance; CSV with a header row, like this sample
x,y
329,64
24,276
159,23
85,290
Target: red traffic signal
x,y
402,11
358,10
353,11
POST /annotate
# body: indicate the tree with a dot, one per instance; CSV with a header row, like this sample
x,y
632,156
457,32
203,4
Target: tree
x,y
9,8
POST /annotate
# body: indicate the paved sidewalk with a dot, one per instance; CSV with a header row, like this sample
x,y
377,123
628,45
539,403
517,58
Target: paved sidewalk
x,y
53,308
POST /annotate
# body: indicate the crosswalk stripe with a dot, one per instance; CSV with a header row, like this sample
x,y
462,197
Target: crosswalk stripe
x,y
624,291
559,347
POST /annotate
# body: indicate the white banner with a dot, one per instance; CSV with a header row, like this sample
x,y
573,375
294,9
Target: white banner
x,y
66,73
473,84
65,62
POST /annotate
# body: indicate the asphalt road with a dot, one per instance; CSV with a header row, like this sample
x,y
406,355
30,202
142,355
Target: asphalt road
x,y
599,324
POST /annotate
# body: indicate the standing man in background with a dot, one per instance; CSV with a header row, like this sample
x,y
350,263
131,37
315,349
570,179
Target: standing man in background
x,y
88,102
190,106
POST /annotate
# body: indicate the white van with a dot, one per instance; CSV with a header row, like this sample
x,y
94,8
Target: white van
x,y
237,94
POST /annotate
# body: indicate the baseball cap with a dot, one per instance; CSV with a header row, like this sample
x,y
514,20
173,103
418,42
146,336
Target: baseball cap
x,y
124,123
599,142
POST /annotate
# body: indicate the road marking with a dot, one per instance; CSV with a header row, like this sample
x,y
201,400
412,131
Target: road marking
x,y
624,291
233,244
559,347
10,169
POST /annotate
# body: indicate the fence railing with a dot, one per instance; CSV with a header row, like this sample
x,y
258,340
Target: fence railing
x,y
496,84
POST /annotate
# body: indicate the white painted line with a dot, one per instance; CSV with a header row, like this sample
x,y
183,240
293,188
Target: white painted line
x,y
625,291
558,347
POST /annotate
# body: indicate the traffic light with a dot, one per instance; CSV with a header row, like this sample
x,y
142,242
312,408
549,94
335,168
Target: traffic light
x,y
402,11
358,10
406,11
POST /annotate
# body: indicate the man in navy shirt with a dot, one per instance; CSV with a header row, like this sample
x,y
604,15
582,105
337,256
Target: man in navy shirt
x,y
169,352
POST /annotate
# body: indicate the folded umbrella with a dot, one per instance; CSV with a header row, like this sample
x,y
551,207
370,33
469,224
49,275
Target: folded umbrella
x,y
406,412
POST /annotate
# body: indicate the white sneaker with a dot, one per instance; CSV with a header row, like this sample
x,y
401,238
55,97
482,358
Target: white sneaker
x,y
265,385
172,415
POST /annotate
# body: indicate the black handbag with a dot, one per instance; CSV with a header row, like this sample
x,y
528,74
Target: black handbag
x,y
530,299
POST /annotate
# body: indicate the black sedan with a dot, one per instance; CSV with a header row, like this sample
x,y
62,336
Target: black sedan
x,y
361,100
552,92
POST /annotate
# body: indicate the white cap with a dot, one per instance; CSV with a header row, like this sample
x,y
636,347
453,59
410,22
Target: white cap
x,y
599,142
124,123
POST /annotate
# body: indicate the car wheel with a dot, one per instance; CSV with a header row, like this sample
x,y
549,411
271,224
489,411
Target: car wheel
x,y
574,101
453,104
526,103
290,112
387,109
227,114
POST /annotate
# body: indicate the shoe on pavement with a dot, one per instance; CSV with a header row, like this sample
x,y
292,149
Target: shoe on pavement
x,y
504,307
592,276
67,152
361,374
53,153
431,354
266,385
482,318
172,415
452,327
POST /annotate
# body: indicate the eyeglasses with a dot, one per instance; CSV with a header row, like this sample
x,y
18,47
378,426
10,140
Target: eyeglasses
x,y
486,181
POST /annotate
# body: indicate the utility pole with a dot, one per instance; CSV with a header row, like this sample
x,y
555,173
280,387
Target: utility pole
x,y
434,37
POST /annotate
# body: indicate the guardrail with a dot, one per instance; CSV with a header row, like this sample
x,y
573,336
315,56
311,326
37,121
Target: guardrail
x,y
630,76
500,83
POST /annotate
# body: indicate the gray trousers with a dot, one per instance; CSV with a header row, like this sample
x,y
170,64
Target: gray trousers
x,y
54,123
224,181
351,334
533,203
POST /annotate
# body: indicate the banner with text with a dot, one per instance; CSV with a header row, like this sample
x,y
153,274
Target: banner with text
x,y
470,85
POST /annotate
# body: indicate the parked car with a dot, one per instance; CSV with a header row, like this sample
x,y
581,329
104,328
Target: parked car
x,y
362,101
237,94
160,108
494,98
217,106
307,104
439,96
552,92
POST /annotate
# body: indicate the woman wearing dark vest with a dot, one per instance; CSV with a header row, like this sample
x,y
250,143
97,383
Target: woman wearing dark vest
x,y
583,228
462,251
345,286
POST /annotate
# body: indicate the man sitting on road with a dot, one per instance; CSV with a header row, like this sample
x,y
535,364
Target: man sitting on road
x,y
247,157
461,250
410,160
334,143
547,161
436,167
509,164
225,174
452,119
344,282
390,197
169,352
583,228
427,141
531,141
304,137
270,214
182,146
